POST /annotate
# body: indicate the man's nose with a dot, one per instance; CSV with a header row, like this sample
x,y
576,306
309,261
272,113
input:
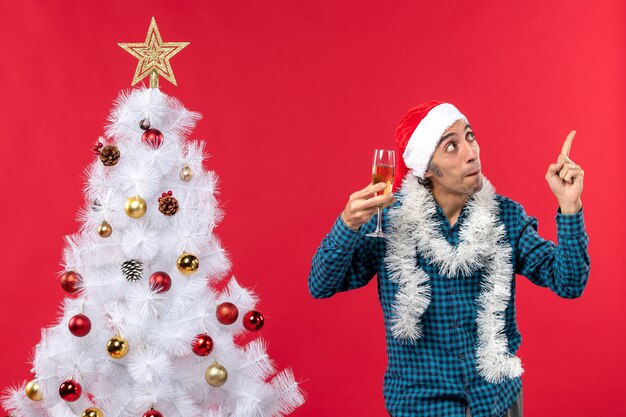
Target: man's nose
x,y
471,151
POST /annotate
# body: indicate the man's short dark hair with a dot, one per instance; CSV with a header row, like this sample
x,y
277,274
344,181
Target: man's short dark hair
x,y
427,182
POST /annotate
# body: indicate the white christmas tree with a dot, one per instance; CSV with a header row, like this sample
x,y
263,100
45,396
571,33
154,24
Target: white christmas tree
x,y
145,332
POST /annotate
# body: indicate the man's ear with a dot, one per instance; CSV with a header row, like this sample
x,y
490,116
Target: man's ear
x,y
428,174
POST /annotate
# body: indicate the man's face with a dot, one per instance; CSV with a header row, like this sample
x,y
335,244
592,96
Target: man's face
x,y
455,165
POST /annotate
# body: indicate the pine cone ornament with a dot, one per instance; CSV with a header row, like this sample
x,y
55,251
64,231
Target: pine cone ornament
x,y
109,155
132,270
168,204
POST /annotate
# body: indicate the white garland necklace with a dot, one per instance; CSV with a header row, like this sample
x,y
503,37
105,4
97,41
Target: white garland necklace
x,y
482,245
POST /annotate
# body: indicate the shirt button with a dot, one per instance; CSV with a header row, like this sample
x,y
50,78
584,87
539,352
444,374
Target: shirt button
x,y
453,291
461,356
456,323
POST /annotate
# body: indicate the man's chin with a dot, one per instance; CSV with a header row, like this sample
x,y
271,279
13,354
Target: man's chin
x,y
476,183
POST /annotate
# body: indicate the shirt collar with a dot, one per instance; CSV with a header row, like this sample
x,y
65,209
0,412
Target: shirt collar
x,y
444,220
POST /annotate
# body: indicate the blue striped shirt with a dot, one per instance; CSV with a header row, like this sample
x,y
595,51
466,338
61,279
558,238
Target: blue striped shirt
x,y
436,376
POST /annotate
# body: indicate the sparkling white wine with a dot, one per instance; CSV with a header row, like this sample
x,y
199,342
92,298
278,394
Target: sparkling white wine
x,y
383,173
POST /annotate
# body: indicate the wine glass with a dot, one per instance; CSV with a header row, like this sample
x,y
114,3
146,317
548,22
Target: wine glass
x,y
382,171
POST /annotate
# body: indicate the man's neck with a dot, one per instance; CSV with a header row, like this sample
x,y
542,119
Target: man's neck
x,y
451,204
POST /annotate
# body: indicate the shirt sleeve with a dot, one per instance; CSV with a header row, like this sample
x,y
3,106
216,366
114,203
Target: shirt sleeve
x,y
344,261
564,268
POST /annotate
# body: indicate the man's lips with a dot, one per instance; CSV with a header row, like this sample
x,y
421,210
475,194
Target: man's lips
x,y
472,173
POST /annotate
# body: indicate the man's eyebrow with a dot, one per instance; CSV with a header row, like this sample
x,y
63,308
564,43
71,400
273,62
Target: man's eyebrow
x,y
447,135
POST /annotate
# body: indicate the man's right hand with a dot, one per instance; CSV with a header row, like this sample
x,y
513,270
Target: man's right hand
x,y
362,205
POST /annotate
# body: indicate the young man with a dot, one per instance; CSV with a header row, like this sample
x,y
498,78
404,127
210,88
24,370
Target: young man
x,y
446,271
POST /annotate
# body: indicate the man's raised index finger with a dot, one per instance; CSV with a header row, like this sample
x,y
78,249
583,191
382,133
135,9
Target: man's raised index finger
x,y
567,145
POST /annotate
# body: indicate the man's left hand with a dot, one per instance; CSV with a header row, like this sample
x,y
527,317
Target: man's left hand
x,y
565,179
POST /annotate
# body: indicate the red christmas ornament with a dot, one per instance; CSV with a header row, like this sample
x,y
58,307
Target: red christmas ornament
x,y
70,281
152,413
227,313
70,390
253,320
79,325
202,344
160,282
152,137
169,193
98,147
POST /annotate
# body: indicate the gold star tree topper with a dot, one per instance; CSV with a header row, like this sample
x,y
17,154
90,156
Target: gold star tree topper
x,y
154,56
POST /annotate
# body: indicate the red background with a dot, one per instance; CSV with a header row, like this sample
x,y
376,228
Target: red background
x,y
295,97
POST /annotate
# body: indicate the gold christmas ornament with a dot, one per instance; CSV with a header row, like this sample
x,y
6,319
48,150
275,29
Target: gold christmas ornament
x,y
187,263
105,229
33,391
154,56
117,347
93,412
186,174
135,207
216,375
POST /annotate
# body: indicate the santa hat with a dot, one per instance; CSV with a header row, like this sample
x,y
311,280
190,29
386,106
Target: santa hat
x,y
418,134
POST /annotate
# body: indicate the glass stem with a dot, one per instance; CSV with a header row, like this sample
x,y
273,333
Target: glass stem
x,y
378,229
